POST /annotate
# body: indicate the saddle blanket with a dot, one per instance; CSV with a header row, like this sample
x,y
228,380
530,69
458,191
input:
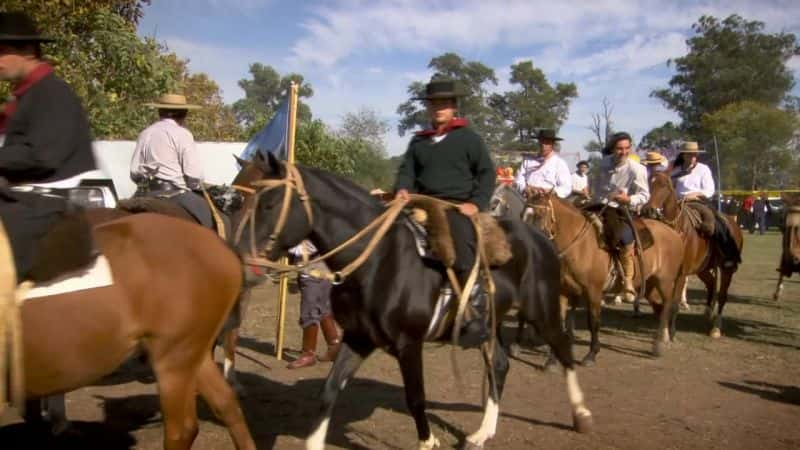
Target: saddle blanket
x,y
95,276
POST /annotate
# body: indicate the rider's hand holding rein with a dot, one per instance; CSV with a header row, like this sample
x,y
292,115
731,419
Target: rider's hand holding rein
x,y
402,194
468,209
622,198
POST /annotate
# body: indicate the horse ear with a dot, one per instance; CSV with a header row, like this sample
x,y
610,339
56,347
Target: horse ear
x,y
240,161
274,165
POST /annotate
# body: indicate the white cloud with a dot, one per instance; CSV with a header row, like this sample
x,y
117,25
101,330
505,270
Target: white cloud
x,y
335,32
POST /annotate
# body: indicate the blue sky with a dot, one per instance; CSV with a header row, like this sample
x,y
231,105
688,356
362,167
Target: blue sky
x,y
364,53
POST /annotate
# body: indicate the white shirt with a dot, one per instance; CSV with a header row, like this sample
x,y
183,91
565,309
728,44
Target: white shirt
x,y
551,173
629,177
698,181
168,150
579,182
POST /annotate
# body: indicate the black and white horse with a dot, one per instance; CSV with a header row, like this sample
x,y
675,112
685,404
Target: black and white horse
x,y
389,301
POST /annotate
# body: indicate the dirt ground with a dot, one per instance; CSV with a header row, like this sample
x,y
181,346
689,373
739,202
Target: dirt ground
x,y
739,392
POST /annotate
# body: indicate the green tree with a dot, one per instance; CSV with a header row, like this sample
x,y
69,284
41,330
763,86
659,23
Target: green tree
x,y
364,131
666,137
264,93
755,143
729,61
534,104
472,77
97,51
318,146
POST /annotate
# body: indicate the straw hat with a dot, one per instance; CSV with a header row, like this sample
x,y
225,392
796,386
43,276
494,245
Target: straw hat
x,y
654,158
691,147
172,101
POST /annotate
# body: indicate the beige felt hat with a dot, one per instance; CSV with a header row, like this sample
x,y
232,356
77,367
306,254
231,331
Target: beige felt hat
x,y
172,101
691,147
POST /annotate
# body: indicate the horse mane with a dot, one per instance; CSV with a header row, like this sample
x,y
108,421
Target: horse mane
x,y
344,187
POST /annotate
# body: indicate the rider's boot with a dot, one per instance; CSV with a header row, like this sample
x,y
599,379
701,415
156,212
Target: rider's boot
x,y
626,259
475,329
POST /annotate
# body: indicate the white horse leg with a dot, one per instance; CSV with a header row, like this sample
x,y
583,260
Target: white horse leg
x,y
684,302
581,416
488,425
229,341
778,289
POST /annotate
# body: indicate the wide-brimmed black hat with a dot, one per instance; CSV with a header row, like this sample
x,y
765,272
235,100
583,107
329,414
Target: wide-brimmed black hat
x,y
441,88
547,133
19,27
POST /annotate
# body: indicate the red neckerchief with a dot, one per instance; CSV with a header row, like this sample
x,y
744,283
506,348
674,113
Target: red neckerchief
x,y
455,122
36,75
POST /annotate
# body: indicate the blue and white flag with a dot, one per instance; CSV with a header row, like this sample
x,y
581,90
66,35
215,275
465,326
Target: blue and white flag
x,y
273,138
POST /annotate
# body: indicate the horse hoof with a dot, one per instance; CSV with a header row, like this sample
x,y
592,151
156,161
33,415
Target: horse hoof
x,y
430,444
715,333
685,307
583,423
471,446
514,350
658,349
587,361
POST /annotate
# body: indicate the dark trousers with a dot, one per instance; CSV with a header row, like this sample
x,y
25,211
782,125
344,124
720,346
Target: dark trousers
x,y
27,218
618,229
464,241
761,220
724,239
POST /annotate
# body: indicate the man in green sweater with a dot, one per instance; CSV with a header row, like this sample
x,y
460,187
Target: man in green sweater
x,y
451,162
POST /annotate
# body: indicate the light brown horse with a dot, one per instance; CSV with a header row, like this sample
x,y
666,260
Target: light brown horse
x,y
585,267
790,254
700,257
158,301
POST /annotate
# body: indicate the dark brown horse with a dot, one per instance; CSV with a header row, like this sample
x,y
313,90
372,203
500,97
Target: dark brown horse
x,y
700,257
158,302
585,267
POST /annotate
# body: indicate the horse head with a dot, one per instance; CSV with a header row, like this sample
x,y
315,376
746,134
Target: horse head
x,y
662,197
539,210
506,202
277,213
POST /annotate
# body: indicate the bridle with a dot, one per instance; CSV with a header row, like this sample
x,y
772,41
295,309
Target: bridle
x,y
293,183
550,227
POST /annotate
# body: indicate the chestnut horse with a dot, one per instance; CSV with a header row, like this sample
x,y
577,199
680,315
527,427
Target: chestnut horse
x,y
388,301
159,302
790,250
585,267
700,257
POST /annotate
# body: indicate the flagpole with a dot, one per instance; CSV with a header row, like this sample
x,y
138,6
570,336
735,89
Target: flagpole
x,y
284,280
719,177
